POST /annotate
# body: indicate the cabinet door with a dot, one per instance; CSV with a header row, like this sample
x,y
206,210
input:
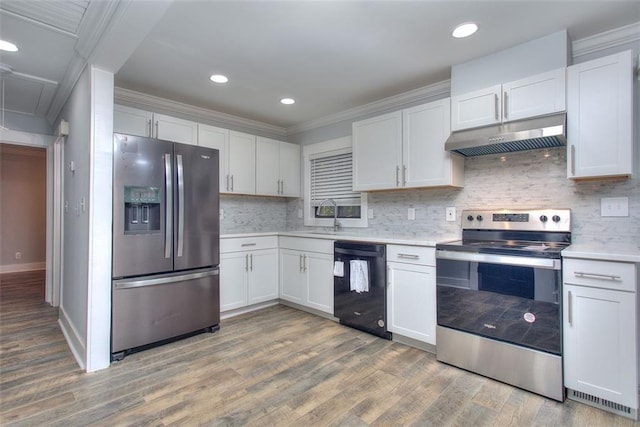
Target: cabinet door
x,y
176,130
291,278
289,169
534,96
263,275
131,121
233,280
477,108
318,270
217,138
600,343
377,152
425,161
411,301
242,163
267,166
600,117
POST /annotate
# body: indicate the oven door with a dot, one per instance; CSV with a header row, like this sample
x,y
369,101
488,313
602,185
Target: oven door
x,y
513,299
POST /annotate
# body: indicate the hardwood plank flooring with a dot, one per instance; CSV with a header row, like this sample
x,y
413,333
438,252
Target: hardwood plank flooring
x,y
273,367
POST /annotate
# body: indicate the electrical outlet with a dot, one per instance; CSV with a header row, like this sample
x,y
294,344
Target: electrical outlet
x,y
299,213
18,255
450,213
614,206
411,214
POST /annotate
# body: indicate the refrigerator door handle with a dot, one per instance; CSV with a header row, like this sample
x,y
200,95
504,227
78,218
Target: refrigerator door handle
x,y
168,213
139,283
180,204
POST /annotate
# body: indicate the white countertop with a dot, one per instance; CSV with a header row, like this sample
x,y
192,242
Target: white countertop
x,y
610,252
394,240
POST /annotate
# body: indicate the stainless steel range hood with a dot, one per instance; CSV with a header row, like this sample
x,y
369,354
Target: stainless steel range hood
x,y
530,134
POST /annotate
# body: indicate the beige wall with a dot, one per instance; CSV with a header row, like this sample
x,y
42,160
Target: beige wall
x,y
23,180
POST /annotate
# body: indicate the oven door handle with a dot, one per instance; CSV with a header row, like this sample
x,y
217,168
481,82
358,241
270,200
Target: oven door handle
x,y
546,263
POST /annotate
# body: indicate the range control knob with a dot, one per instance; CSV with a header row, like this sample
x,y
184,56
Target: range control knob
x,y
543,218
470,218
479,217
555,218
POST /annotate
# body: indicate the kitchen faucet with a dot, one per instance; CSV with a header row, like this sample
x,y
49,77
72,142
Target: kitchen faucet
x,y
336,224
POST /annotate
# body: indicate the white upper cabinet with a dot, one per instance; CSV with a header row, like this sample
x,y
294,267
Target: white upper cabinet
x,y
529,97
133,121
405,149
425,129
277,168
600,117
377,152
218,138
241,175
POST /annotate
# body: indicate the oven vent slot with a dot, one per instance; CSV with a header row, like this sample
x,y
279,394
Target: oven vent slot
x,y
605,404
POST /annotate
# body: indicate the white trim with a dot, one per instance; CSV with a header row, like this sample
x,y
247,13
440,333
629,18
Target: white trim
x,y
422,94
27,266
153,102
74,340
313,150
608,39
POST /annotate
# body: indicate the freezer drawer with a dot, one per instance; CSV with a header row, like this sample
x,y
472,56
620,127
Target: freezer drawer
x,y
149,309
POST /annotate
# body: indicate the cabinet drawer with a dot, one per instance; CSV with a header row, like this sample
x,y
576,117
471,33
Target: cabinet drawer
x,y
411,254
600,274
324,246
237,244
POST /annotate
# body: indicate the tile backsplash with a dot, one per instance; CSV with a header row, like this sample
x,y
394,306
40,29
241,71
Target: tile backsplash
x,y
530,179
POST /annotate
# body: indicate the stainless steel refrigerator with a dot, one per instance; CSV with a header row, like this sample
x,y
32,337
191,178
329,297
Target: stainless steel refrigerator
x,y
166,234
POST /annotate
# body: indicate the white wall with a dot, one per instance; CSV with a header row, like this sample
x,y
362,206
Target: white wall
x,y
85,292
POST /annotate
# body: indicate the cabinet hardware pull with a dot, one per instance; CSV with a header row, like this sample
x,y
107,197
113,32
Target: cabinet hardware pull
x,y
304,262
244,245
232,182
409,256
397,176
251,260
495,107
150,134
404,175
596,275
300,262
227,184
246,262
504,106
573,159
156,135
569,313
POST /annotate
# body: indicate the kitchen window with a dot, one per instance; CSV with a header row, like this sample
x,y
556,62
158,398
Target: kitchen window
x,y
328,186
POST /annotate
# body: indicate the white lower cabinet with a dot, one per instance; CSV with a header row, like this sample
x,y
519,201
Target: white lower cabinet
x,y
306,272
600,334
248,276
411,292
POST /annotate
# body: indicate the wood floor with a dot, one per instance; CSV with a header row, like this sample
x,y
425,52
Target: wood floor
x,y
275,367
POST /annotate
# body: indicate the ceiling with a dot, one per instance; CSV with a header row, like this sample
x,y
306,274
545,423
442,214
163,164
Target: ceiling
x,y
330,56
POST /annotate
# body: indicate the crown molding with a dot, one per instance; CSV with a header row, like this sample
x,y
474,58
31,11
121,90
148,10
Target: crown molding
x,y
608,39
422,94
154,102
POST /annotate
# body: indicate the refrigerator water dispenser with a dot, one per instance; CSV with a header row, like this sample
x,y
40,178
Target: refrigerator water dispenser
x,y
141,209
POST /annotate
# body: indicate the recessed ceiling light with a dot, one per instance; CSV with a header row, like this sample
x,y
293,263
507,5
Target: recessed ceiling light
x,y
8,46
219,78
288,101
464,30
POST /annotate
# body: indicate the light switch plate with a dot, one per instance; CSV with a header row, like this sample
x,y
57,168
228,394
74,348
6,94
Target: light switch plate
x,y
614,206
299,213
411,214
370,213
450,213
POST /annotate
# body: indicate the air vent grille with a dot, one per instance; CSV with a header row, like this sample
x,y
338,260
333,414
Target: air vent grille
x,y
605,404
507,147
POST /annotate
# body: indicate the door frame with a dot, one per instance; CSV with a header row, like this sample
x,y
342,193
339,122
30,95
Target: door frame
x,y
55,151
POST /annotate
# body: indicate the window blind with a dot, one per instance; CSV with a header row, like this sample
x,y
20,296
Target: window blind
x,y
332,178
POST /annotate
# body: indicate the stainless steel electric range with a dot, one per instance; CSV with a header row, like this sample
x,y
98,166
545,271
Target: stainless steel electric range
x,y
499,297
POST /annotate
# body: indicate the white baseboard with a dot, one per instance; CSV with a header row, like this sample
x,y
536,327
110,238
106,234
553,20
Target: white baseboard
x,y
28,266
74,341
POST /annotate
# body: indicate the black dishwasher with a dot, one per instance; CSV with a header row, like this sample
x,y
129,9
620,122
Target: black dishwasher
x,y
360,286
